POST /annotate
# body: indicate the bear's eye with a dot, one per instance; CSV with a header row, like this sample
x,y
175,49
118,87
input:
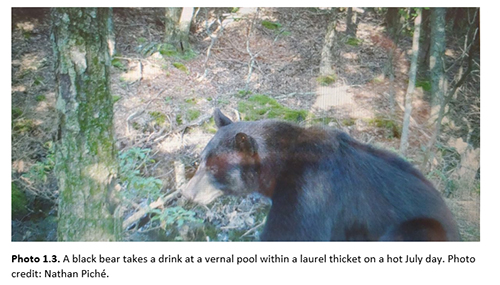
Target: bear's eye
x,y
214,169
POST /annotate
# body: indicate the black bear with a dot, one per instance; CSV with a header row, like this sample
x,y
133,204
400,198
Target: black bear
x,y
324,185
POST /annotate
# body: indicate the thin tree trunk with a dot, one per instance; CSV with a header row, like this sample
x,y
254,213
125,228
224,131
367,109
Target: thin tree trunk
x,y
392,19
394,30
86,157
177,24
327,57
352,22
184,26
438,78
392,91
172,16
411,85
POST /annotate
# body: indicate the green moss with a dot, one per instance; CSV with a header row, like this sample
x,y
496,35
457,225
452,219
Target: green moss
x,y
16,113
349,122
23,125
425,84
181,67
378,80
264,100
40,98
191,101
326,80
354,42
324,121
223,101
168,50
243,93
26,35
261,107
115,98
38,81
192,114
271,25
19,202
136,126
118,64
178,119
209,126
391,125
158,117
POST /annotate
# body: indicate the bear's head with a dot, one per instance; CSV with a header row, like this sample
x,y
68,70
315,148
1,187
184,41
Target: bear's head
x,y
229,164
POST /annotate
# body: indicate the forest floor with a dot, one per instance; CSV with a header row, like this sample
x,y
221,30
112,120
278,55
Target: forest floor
x,y
164,103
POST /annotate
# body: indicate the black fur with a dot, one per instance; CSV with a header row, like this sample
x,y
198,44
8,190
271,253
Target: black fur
x,y
324,185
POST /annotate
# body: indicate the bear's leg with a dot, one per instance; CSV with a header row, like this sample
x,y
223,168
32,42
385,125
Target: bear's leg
x,y
418,229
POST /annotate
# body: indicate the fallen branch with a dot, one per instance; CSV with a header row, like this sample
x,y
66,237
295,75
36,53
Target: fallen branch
x,y
254,228
198,122
141,212
213,36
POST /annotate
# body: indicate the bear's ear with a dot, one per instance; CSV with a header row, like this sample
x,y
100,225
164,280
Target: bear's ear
x,y
220,119
245,144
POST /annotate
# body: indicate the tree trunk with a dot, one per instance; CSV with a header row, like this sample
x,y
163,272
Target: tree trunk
x,y
425,39
394,31
411,84
352,22
86,157
448,93
436,63
437,72
392,19
327,57
177,24
172,16
184,26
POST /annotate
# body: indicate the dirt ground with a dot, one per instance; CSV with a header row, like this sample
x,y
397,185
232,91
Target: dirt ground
x,y
148,87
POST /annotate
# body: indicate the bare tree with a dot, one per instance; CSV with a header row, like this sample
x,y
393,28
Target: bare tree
x,y
411,84
86,157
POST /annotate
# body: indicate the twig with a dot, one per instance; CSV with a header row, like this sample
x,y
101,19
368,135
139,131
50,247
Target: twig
x,y
141,212
252,56
198,122
254,228
213,39
238,116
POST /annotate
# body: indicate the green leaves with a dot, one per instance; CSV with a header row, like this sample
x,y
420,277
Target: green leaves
x,y
137,185
175,216
271,25
40,171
